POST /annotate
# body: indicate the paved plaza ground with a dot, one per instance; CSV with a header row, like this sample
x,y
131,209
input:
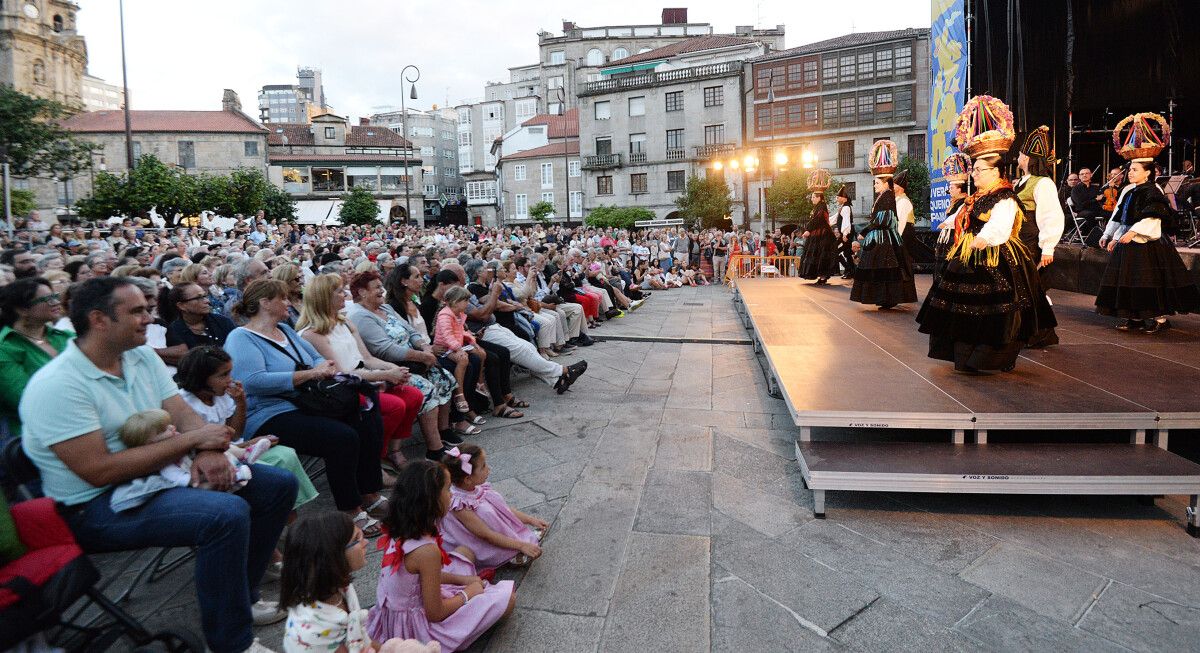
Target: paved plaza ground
x,y
680,523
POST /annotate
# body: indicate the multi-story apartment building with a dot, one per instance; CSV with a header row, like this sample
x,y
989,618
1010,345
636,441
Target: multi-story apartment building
x,y
293,103
99,95
658,117
318,162
434,135
539,162
836,97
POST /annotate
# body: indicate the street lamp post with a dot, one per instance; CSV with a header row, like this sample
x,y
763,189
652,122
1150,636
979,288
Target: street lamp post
x,y
562,111
404,128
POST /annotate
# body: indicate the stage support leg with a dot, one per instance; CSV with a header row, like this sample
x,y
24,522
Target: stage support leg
x,y
1137,436
981,436
1193,517
757,345
806,434
1160,438
960,436
819,504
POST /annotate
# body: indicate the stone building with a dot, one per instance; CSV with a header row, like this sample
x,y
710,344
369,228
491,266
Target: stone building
x,y
99,95
41,54
318,162
834,98
539,162
434,136
658,117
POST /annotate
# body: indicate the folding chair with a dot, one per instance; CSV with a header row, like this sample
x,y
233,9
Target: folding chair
x,y
1076,234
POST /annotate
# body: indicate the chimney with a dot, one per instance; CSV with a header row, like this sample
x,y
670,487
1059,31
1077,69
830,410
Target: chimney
x,y
230,101
568,26
364,122
676,16
744,30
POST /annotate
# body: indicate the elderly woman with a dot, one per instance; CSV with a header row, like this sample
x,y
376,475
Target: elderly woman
x,y
322,325
290,274
202,276
271,360
190,318
27,341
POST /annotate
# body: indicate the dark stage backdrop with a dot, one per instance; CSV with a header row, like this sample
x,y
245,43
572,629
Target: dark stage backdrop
x,y
1101,59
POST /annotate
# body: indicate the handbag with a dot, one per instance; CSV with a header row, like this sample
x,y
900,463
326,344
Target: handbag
x,y
534,305
336,397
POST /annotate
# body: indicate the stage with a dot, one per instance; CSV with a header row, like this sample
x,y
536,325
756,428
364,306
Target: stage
x,y
840,365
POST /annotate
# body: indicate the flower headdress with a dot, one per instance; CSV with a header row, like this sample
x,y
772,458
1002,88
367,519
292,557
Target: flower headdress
x,y
1137,138
956,167
818,180
883,158
985,127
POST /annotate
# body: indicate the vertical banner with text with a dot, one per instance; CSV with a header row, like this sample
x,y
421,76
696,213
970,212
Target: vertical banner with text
x,y
948,74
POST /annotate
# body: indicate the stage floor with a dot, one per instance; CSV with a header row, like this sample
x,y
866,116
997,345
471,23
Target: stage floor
x,y
842,364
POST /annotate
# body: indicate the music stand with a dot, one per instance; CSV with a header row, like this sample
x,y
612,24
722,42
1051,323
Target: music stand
x,y
1171,186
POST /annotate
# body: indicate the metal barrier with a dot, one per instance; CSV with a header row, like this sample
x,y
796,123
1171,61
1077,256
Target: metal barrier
x,y
743,266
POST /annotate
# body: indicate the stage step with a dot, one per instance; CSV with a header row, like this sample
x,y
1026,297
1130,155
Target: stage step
x,y
1108,469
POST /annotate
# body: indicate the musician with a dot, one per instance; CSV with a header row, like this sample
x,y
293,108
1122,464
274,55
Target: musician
x,y
1043,225
1112,188
1086,197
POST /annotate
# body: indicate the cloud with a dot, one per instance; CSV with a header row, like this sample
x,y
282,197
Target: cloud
x,y
182,55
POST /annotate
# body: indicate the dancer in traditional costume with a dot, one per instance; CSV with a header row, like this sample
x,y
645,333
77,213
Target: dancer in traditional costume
x,y
956,169
984,308
820,260
845,231
884,276
1043,225
1145,280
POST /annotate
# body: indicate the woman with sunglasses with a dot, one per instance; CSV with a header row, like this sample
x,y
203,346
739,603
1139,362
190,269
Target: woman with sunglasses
x,y
27,341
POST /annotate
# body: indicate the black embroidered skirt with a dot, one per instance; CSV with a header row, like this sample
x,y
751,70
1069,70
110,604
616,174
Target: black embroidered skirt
x,y
883,276
1146,280
820,256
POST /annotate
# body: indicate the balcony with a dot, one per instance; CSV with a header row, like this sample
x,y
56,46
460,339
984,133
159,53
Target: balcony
x,y
637,157
601,161
713,149
676,153
647,80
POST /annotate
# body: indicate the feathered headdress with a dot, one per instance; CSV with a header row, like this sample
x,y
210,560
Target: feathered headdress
x,y
985,127
956,167
1037,143
1137,138
883,158
818,180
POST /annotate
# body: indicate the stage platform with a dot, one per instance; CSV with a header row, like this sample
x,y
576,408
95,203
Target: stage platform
x,y
847,366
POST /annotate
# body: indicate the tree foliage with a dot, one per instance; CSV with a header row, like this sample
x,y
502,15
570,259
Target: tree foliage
x,y
541,212
789,197
918,184
617,217
359,207
23,201
705,202
278,205
35,142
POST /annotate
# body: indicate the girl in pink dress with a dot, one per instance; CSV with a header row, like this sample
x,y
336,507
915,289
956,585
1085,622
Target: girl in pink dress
x,y
479,518
450,331
424,592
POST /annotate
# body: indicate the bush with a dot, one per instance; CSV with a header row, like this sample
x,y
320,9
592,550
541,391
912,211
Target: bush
x,y
359,207
541,212
705,202
23,201
617,217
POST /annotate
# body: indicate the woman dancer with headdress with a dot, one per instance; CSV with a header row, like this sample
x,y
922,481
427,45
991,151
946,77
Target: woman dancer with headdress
x,y
1145,280
845,231
1044,222
884,276
820,259
984,308
956,169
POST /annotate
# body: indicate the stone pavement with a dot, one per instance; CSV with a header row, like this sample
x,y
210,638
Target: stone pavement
x,y
680,523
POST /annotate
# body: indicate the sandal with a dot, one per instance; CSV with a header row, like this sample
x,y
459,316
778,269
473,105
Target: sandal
x,y
394,460
378,508
470,430
478,420
518,403
371,528
504,410
460,403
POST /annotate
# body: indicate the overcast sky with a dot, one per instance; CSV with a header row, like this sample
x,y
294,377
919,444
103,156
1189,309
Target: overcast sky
x,y
182,54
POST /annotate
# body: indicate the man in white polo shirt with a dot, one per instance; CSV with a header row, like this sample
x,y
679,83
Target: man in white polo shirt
x,y
71,412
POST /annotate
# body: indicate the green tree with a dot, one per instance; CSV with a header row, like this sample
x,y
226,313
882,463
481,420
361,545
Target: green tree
x,y
23,201
788,200
359,207
541,212
109,198
918,184
279,205
617,217
705,202
33,140
151,185
248,188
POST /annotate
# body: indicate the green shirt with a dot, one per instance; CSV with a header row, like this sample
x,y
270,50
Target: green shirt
x,y
70,397
19,359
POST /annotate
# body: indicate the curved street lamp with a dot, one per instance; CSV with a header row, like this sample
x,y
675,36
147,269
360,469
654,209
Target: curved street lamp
x,y
404,128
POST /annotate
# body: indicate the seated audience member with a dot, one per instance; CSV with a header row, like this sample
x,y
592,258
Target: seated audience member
x,y
28,307
72,411
194,323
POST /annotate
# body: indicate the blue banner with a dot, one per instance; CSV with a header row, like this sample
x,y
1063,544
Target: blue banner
x,y
948,63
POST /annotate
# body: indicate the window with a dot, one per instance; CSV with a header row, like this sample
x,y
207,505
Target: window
x,y
519,173
811,117
250,148
883,102
916,145
793,74
903,60
428,150
810,74
762,119
554,108
66,190
674,138
604,146
526,109
295,180
547,175
447,136
714,134
137,149
464,116
829,113
595,57
866,66
620,53
447,154
794,112
554,82
493,112
522,205
714,96
481,191
637,106
557,57
464,138
549,197
325,180
330,133
637,143
603,110
637,183
675,101
448,172
866,107
576,203
883,63
58,24
675,181
846,105
904,104
187,154
846,69
604,185
845,154
573,168
367,181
